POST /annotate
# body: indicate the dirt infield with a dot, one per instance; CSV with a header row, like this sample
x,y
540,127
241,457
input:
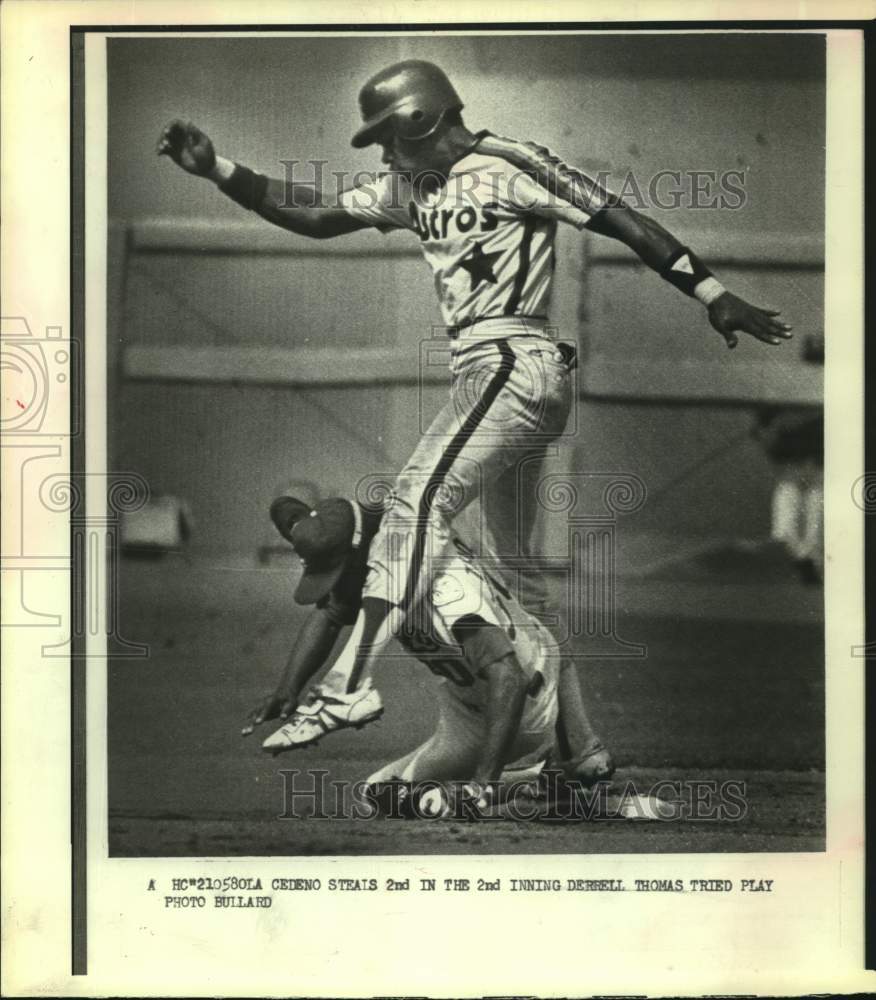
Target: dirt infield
x,y
785,813
737,693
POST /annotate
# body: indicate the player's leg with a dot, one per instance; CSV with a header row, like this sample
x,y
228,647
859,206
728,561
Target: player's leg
x,y
450,754
511,500
436,760
583,754
534,743
508,400
510,507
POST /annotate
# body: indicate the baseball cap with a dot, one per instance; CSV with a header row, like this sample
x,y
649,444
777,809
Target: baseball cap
x,y
323,537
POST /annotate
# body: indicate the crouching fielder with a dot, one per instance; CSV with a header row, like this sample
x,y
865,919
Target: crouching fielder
x,y
500,671
497,693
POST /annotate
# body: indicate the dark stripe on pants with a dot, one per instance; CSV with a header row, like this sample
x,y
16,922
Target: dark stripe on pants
x,y
449,456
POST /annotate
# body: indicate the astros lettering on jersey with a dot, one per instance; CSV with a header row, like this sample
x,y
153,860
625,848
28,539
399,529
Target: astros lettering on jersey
x,y
488,230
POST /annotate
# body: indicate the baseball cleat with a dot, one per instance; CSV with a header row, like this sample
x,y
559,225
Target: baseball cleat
x,y
326,713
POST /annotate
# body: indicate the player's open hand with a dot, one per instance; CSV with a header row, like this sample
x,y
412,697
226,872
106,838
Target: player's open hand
x,y
275,706
730,315
187,146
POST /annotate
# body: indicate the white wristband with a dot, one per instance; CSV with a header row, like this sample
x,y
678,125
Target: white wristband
x,y
222,170
708,290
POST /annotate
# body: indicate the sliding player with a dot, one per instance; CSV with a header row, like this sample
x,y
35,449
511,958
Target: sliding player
x,y
501,671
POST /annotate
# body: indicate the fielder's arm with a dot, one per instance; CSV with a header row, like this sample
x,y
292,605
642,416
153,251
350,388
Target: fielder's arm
x,y
313,646
660,250
296,207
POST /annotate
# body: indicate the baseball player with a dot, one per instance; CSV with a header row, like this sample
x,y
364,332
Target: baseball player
x,y
485,210
502,710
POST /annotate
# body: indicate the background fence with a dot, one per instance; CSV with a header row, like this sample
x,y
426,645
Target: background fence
x,y
243,357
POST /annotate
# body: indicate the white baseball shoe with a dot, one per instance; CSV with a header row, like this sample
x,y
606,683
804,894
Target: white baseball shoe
x,y
326,712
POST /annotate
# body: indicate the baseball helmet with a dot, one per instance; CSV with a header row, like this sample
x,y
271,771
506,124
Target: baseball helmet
x,y
409,98
323,537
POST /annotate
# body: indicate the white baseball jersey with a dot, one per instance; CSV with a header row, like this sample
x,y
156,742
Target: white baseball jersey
x,y
488,232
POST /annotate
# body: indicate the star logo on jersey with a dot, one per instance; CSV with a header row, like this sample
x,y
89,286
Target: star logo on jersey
x,y
480,266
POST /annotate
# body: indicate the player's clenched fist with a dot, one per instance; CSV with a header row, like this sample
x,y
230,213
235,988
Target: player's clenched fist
x,y
188,146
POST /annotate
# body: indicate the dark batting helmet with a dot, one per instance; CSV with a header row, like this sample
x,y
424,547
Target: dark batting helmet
x,y
407,98
323,536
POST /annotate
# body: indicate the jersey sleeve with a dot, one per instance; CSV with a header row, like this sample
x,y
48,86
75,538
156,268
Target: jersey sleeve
x,y
534,180
380,203
527,195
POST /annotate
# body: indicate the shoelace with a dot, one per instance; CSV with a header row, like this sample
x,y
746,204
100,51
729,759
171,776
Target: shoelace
x,y
311,711
304,713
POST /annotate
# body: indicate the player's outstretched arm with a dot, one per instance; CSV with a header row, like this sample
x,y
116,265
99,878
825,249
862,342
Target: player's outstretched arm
x,y
296,207
660,250
312,648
